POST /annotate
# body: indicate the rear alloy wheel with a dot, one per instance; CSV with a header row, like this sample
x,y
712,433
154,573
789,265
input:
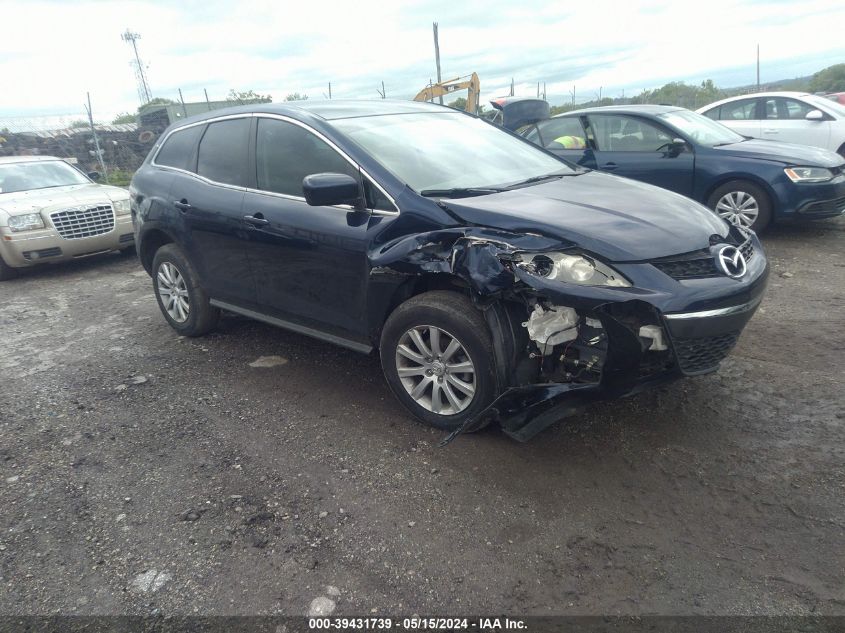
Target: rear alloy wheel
x,y
743,204
180,297
437,356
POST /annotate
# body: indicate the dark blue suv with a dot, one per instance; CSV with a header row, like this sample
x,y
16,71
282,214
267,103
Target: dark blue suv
x,y
750,182
495,280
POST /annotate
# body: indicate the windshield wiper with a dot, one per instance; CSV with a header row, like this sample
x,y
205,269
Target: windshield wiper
x,y
533,179
460,192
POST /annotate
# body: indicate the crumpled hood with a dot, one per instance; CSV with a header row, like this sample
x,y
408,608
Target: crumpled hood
x,y
59,197
615,218
787,153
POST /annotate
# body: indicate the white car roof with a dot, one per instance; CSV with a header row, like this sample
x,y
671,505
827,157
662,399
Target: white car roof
x,y
754,95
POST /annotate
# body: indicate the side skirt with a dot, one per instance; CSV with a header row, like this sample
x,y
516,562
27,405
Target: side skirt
x,y
295,327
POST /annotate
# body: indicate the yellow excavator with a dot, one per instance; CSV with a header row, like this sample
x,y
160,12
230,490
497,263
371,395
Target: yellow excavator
x,y
470,83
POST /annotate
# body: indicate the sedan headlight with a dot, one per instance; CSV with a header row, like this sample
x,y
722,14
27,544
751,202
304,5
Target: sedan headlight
x,y
121,207
573,269
25,222
808,174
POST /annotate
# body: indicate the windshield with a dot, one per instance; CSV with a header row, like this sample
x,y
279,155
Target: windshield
x,y
699,128
38,175
824,102
449,151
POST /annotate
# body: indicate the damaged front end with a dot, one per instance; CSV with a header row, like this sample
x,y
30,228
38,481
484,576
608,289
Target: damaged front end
x,y
569,329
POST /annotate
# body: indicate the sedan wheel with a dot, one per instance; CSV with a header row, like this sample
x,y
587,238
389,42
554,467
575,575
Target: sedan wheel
x,y
437,355
436,370
739,208
174,292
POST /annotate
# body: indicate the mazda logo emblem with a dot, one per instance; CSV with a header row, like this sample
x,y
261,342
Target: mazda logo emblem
x,y
731,262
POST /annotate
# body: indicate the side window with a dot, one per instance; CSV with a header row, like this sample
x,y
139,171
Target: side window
x,y
563,133
529,133
286,153
770,109
793,109
178,149
714,113
744,110
619,133
224,152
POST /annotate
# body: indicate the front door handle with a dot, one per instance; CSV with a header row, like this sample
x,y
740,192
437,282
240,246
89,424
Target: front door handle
x,y
256,220
182,205
770,131
609,166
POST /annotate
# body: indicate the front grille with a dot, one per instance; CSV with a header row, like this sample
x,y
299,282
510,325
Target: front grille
x,y
824,207
697,355
689,268
74,224
699,267
44,252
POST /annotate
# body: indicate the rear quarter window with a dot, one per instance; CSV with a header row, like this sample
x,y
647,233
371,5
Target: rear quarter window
x,y
178,149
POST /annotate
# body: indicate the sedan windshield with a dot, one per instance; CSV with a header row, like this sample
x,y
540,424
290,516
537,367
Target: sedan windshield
x,y
699,128
450,154
38,175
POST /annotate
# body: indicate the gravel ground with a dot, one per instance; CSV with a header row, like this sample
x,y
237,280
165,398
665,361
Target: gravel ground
x,y
143,473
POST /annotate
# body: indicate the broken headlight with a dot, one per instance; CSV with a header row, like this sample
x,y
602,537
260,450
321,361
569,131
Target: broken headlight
x,y
573,269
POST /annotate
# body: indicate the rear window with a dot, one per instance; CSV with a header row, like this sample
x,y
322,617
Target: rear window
x,y
223,153
179,148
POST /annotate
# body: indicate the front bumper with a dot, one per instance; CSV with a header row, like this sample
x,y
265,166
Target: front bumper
x,y
814,201
31,248
702,319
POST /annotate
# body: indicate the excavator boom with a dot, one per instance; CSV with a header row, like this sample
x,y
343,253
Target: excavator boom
x,y
471,85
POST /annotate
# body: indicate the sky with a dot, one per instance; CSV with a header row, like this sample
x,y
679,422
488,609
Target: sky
x,y
54,51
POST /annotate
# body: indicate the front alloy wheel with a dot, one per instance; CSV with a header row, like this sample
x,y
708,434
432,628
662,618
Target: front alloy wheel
x,y
739,208
436,370
437,355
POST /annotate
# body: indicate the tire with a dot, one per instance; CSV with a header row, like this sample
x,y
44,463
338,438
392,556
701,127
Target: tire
x,y
456,319
6,271
180,297
742,193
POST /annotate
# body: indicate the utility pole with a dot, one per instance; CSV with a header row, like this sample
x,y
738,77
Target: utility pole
x,y
144,93
96,140
330,90
511,86
184,109
572,92
437,56
207,102
758,68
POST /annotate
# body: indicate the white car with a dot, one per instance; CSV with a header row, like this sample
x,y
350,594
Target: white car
x,y
51,212
790,117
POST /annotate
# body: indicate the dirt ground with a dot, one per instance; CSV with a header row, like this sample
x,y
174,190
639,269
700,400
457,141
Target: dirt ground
x,y
143,473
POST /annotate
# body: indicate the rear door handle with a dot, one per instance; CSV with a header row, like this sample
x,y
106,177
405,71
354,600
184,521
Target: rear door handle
x,y
609,166
256,220
182,205
770,131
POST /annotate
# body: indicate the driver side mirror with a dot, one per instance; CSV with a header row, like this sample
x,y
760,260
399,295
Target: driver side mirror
x,y
814,115
327,190
676,146
94,175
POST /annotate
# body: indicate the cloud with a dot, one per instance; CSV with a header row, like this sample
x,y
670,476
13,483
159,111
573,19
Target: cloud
x,y
53,52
